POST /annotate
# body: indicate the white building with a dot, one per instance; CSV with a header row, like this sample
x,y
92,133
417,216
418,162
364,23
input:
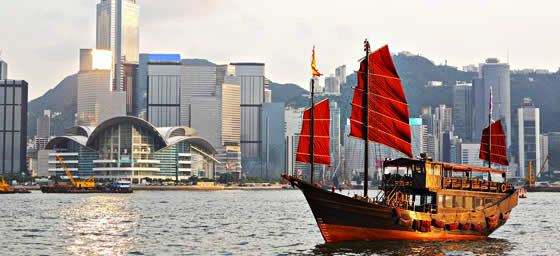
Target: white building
x,y
529,139
118,31
96,101
418,132
293,121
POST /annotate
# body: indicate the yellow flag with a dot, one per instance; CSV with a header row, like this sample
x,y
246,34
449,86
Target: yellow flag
x,y
314,70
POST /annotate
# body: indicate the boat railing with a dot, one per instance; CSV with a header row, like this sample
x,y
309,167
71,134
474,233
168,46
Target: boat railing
x,y
475,184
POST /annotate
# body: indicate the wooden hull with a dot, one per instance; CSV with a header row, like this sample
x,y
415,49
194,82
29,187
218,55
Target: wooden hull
x,y
342,218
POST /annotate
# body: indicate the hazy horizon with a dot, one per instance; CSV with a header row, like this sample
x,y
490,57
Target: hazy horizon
x,y
41,43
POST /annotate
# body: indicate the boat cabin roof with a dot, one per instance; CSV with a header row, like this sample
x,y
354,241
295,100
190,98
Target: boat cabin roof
x,y
446,166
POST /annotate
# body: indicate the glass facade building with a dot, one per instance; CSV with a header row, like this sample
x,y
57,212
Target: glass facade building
x,y
13,126
129,147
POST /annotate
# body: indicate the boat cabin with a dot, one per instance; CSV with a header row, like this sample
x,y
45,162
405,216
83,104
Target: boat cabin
x,y
426,186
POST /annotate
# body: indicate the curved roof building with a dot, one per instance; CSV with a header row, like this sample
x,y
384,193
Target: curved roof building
x,y
130,147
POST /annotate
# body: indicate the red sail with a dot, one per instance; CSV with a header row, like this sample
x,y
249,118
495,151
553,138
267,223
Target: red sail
x,y
321,142
498,144
388,108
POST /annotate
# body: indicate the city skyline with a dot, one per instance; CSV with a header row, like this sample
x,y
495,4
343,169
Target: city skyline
x,y
71,24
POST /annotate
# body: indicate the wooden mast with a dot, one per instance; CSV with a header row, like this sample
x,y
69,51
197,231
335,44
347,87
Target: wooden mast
x,y
312,132
365,112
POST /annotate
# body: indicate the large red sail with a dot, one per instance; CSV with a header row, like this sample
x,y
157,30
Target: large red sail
x,y
388,108
498,148
321,142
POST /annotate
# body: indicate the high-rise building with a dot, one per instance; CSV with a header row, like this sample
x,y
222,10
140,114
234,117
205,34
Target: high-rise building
x,y
495,74
335,135
545,165
293,121
252,80
418,131
231,111
317,88
13,126
158,89
341,74
554,151
332,85
44,124
462,110
443,127
3,70
354,154
118,31
528,117
96,101
200,90
273,154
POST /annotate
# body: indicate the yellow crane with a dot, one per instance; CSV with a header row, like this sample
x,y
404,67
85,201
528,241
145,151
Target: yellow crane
x,y
89,183
531,177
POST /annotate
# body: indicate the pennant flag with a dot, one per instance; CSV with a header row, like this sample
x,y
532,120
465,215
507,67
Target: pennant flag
x,y
314,70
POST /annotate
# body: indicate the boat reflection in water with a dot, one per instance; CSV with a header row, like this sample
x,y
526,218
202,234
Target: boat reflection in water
x,y
100,225
489,246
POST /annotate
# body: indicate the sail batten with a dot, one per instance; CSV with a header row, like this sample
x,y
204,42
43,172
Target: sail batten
x,y
498,147
388,113
321,135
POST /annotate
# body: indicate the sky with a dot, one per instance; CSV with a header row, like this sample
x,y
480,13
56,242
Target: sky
x,y
40,40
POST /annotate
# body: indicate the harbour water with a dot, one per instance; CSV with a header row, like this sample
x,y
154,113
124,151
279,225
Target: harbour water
x,y
230,223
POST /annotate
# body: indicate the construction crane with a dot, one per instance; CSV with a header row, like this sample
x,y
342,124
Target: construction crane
x,y
531,177
89,183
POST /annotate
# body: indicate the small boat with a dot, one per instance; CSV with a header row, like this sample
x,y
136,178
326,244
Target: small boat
x,y
7,189
522,192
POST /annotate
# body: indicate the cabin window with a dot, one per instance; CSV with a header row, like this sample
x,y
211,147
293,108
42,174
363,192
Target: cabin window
x,y
477,202
440,200
487,201
436,169
468,202
448,203
458,202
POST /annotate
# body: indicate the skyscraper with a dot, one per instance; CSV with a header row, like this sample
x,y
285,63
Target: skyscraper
x,y
252,80
117,31
332,85
13,126
462,110
544,154
335,135
3,70
158,89
273,154
200,89
341,74
96,101
528,117
231,111
495,74
44,124
418,131
444,125
470,153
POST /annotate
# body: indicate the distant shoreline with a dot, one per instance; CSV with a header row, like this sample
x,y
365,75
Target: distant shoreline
x,y
188,188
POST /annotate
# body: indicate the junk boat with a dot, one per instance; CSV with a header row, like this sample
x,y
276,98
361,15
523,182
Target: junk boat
x,y
419,199
7,189
87,186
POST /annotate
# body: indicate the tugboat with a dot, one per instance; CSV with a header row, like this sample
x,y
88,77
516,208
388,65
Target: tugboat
x,y
7,189
419,199
87,186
